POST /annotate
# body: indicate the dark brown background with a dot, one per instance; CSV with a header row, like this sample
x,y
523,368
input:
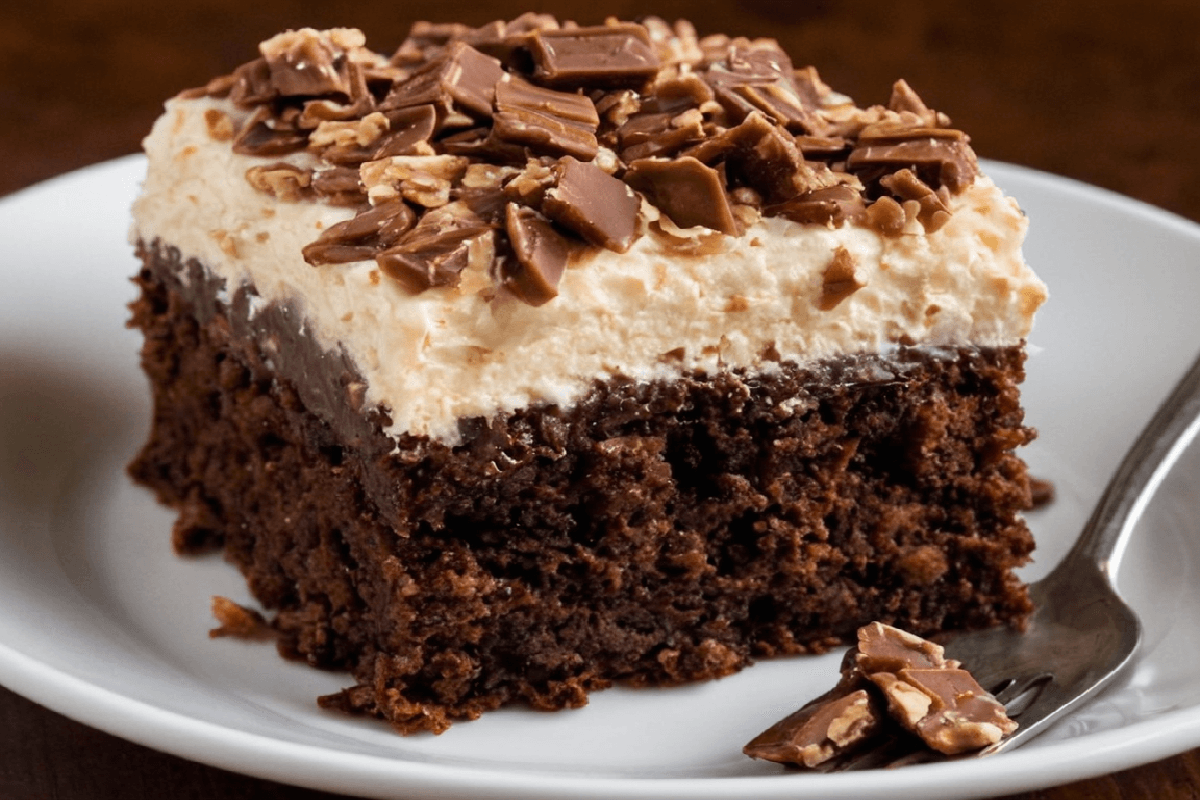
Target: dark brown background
x,y
1105,92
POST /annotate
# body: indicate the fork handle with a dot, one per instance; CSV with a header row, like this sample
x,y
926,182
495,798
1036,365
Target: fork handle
x,y
1154,453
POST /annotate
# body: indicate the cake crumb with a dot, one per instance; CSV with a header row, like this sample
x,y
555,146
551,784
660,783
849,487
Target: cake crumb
x,y
238,621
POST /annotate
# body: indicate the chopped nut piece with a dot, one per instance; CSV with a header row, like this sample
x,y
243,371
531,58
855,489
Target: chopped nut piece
x,y
423,180
886,216
285,181
1041,492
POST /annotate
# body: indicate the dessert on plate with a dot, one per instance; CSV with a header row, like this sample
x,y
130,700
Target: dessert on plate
x,y
534,357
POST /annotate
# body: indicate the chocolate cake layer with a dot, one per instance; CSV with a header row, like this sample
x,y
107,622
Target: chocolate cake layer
x,y
653,532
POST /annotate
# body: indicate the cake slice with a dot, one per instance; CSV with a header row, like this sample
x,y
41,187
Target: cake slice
x,y
535,357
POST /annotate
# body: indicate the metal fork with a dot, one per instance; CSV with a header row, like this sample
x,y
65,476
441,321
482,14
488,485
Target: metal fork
x,y
1081,633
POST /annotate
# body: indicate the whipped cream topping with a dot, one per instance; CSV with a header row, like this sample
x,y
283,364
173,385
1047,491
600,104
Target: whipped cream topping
x,y
663,308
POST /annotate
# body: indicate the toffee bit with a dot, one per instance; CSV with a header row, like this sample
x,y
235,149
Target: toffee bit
x,y
288,182
838,280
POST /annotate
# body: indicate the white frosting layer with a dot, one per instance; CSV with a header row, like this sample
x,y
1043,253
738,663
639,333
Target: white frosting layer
x,y
432,358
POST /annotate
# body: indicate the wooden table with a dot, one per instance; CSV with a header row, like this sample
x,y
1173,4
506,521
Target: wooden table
x,y
1105,92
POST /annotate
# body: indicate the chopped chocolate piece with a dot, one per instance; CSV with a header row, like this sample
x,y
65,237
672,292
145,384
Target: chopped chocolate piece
x,y
260,136
838,281
462,74
514,94
546,121
665,143
307,63
363,236
905,101
609,55
687,191
479,143
779,103
833,725
410,131
761,155
339,186
826,148
939,156
1041,493
744,62
592,203
833,206
252,85
437,250
933,211
425,41
883,648
541,256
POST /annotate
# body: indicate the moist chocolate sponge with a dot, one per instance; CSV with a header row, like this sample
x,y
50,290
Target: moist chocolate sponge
x,y
653,533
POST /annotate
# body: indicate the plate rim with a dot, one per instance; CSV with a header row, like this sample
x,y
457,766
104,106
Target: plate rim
x,y
275,759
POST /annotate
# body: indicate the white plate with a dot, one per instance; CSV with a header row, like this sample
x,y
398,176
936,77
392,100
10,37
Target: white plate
x,y
99,621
